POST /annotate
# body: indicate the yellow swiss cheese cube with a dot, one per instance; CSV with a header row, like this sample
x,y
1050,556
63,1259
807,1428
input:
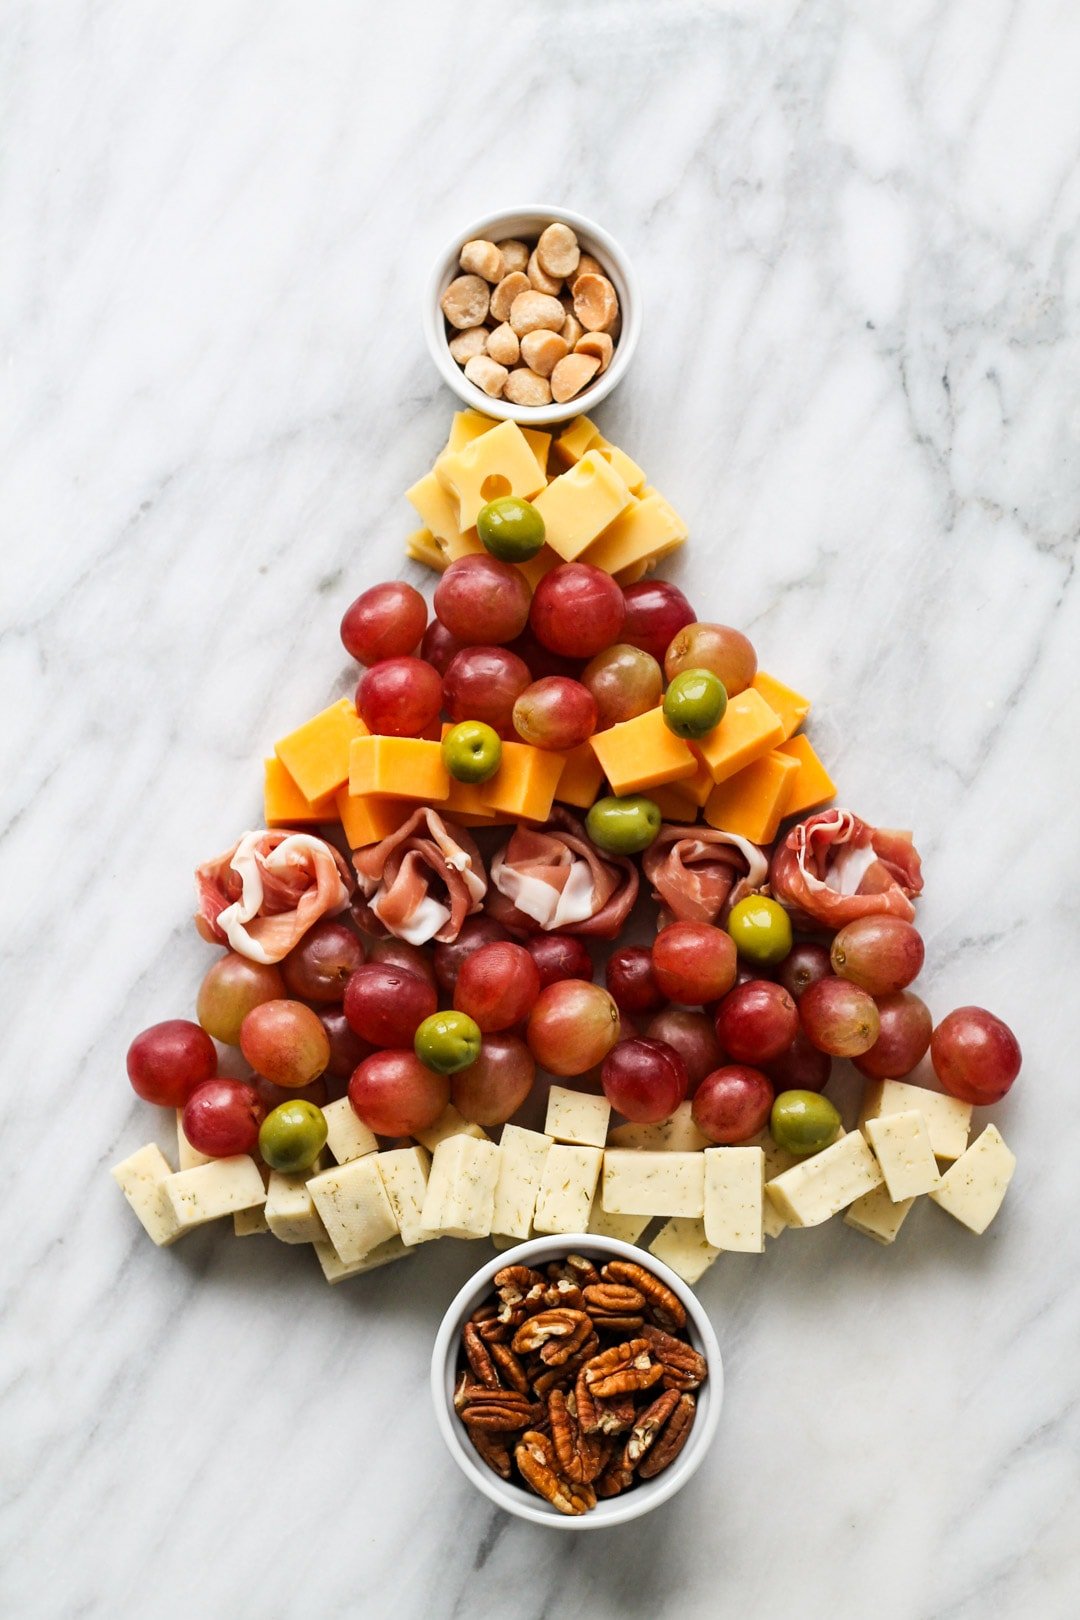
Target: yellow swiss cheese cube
x,y
580,504
813,785
748,730
283,803
398,768
436,508
647,530
790,707
501,462
642,753
316,754
753,802
422,546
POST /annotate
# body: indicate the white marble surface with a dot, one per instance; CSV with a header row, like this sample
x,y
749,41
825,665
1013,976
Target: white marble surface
x,y
856,229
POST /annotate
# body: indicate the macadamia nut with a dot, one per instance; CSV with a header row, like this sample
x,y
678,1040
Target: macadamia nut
x,y
465,301
542,351
486,374
570,375
515,254
505,293
524,387
597,343
587,266
469,343
503,345
571,330
532,310
595,303
557,251
539,278
482,259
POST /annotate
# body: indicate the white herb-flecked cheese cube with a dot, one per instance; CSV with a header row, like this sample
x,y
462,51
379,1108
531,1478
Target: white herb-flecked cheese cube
x,y
577,1116
141,1178
876,1216
681,1244
249,1222
354,1208
522,1156
187,1157
503,1240
460,1197
901,1144
215,1189
449,1123
290,1210
404,1174
734,1198
777,1160
627,1228
947,1119
641,1183
566,1188
972,1189
346,1136
335,1270
676,1134
823,1185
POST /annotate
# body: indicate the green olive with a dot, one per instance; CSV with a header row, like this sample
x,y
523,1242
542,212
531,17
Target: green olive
x,y
292,1136
623,826
472,751
694,703
761,929
510,528
803,1122
448,1041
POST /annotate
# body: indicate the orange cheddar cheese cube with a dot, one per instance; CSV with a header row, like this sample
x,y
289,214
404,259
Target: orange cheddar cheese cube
x,y
748,730
753,801
581,777
525,783
580,504
813,786
283,803
316,754
697,788
642,753
672,803
500,462
368,820
789,706
398,768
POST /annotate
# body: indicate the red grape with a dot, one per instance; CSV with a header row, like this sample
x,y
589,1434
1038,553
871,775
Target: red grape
x,y
839,1018
645,1080
286,1042
803,966
318,967
879,954
540,660
559,956
756,1021
222,1117
903,1037
399,697
975,1056
386,621
577,610
630,978
393,1093
484,683
399,953
439,646
232,986
271,1096
732,1104
693,1037
555,713
572,1027
493,1088
167,1061
483,601
624,682
718,647
801,1068
474,932
347,1049
694,962
655,613
497,985
386,1004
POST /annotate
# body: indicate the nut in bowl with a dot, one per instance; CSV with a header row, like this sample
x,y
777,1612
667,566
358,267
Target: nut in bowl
x,y
670,1420
532,315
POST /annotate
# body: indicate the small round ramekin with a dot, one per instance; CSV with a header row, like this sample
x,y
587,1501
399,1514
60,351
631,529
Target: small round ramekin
x,y
515,1498
529,221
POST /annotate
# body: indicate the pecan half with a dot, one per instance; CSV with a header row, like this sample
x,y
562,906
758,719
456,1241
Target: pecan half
x,y
675,1434
479,1357
616,1416
648,1426
493,1448
514,1284
557,1334
667,1309
622,1369
537,1464
684,1368
509,1367
580,1456
615,1309
498,1409
551,1376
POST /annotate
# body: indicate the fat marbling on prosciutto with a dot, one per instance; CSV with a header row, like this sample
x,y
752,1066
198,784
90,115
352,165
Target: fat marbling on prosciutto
x,y
833,868
421,882
699,873
552,878
261,897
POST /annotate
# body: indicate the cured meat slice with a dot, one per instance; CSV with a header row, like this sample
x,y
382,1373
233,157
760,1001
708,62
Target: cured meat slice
x,y
261,896
552,879
832,868
421,882
700,873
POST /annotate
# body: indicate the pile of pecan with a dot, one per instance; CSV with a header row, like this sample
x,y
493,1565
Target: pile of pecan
x,y
578,1382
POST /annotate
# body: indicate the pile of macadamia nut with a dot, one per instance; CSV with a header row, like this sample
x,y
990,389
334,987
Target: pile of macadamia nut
x,y
531,324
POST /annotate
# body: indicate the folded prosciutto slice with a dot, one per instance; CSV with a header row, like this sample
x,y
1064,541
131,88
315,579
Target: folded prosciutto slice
x,y
699,873
551,878
834,868
421,882
261,897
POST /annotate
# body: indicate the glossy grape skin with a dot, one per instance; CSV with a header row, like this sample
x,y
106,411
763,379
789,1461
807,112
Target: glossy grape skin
x,y
394,1094
761,929
624,682
474,932
166,1062
318,968
880,954
493,1088
286,1042
624,825
577,610
732,1104
482,601
222,1117
756,1021
693,1037
510,528
556,713
693,962
801,1067
386,621
393,952
644,1080
386,1004
399,697
439,646
694,703
655,613
484,683
497,985
541,661
975,1056
630,978
559,956
292,1136
839,1018
572,1027
803,966
904,1033
232,986
347,1049
717,647
801,1122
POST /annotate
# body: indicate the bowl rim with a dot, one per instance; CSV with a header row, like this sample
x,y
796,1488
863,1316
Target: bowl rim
x,y
503,223
513,1498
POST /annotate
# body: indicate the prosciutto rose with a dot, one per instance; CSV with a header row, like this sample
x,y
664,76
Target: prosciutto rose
x,y
699,873
421,882
552,879
261,897
833,868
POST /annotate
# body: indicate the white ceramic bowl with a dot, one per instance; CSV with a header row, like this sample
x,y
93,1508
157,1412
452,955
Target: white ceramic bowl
x,y
515,1498
529,222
